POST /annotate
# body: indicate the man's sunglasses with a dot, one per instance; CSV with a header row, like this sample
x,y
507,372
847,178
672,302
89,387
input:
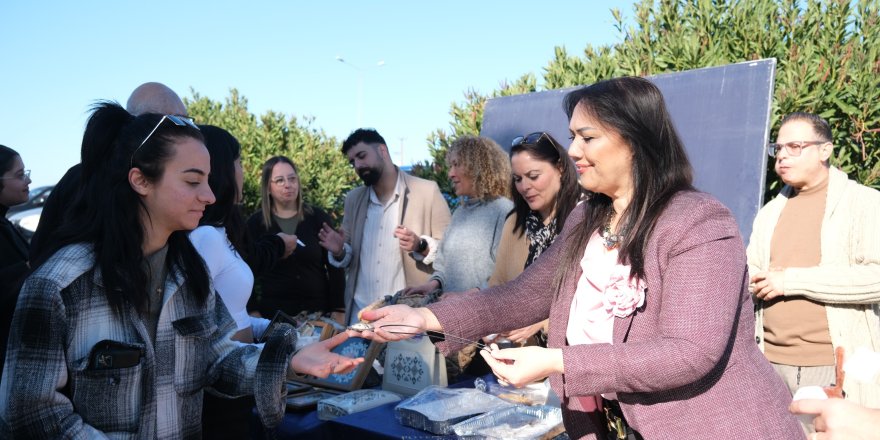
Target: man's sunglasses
x,y
180,121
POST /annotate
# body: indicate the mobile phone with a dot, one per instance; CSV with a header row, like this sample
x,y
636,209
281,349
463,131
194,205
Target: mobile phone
x,y
280,317
109,354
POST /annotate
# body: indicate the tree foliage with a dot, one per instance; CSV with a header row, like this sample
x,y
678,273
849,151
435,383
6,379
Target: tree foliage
x,y
827,55
325,175
467,119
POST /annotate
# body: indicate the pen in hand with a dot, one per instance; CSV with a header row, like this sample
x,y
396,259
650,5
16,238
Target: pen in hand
x,y
300,243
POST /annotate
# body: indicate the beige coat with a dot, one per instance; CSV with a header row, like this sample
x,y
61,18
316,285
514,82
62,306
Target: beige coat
x,y
847,279
512,254
422,209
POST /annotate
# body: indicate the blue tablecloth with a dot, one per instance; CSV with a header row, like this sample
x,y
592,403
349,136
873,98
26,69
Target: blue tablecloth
x,y
376,423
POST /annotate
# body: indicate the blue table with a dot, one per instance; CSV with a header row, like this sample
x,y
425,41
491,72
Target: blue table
x,y
376,423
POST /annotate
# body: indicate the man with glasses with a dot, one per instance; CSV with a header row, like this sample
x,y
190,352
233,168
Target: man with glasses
x,y
814,261
390,228
151,97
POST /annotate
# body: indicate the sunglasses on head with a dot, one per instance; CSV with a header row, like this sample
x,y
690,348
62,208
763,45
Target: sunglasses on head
x,y
180,121
531,138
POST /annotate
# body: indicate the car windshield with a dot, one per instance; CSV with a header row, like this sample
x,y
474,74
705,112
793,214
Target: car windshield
x,y
37,192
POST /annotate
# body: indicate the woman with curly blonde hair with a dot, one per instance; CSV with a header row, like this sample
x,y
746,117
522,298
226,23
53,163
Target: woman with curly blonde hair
x,y
479,171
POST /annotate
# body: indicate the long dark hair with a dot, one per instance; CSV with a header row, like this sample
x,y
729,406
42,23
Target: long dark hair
x,y
266,202
7,157
107,214
634,108
547,149
225,212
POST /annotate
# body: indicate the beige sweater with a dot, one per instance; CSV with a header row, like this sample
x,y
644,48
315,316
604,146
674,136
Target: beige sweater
x,y
847,279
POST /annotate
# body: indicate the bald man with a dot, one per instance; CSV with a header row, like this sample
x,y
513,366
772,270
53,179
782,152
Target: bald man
x,y
150,97
153,97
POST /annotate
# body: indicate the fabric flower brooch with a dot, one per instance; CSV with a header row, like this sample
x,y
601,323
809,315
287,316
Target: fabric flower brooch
x,y
623,295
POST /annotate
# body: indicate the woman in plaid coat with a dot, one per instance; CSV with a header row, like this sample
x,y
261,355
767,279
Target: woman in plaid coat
x,y
118,333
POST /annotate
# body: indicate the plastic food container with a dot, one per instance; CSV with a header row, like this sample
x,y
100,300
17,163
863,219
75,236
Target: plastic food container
x,y
436,409
518,422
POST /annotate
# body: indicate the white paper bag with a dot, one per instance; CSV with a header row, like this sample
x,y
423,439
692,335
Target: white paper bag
x,y
411,365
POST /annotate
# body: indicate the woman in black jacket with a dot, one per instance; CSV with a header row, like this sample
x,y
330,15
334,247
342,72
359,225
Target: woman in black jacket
x,y
304,281
14,181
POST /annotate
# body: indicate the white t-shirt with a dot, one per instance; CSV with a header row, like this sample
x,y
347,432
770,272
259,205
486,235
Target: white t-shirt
x,y
231,276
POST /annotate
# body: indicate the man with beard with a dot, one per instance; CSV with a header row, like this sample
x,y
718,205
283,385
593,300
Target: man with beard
x,y
390,229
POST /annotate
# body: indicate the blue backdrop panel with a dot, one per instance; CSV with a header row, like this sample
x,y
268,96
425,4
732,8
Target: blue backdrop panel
x,y
721,113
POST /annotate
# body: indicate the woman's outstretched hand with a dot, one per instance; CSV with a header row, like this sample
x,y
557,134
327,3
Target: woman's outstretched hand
x,y
393,323
317,359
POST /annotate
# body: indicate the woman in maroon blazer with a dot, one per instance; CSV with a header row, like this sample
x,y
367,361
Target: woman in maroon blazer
x,y
646,289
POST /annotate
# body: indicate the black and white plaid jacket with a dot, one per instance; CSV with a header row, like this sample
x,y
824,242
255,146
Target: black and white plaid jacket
x,y
50,391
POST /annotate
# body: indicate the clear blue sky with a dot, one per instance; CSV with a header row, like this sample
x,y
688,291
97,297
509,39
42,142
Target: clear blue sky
x,y
58,57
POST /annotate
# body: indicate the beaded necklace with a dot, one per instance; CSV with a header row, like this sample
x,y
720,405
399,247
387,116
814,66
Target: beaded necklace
x,y
609,239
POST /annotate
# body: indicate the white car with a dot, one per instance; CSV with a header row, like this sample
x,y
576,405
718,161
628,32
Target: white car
x,y
26,221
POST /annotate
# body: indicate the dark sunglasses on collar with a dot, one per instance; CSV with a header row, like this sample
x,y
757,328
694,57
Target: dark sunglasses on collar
x,y
180,121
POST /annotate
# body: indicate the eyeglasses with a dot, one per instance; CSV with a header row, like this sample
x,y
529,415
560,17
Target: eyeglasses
x,y
25,175
180,121
531,138
792,148
281,180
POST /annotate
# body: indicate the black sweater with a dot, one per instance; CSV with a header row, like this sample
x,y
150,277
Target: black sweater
x,y
303,281
13,267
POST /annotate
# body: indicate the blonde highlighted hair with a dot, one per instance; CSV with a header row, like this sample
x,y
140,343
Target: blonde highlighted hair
x,y
485,162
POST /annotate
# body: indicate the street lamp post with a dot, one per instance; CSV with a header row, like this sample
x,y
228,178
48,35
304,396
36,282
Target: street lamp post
x,y
360,86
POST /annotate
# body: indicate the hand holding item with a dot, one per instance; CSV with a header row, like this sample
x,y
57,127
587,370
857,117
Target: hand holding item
x,y
408,239
840,419
520,335
768,284
331,239
290,243
317,359
396,322
522,366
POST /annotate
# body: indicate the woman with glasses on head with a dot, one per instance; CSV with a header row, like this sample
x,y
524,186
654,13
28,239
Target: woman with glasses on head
x,y
545,189
305,280
14,190
651,327
121,321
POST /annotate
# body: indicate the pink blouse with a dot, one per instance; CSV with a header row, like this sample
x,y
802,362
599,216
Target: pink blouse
x,y
603,292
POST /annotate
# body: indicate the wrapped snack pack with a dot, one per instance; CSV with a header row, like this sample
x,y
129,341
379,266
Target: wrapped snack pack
x,y
353,402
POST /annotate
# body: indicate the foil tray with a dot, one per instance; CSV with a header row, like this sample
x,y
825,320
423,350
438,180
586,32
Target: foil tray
x,y
519,422
436,409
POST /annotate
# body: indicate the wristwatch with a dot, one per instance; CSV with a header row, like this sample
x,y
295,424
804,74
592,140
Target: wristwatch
x,y
423,244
